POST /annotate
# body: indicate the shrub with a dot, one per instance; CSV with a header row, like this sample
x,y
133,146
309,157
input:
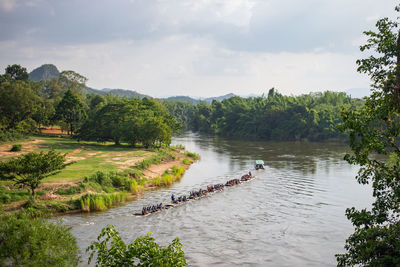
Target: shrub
x,y
167,179
187,161
99,202
192,155
69,190
16,148
8,196
35,242
178,171
111,250
131,185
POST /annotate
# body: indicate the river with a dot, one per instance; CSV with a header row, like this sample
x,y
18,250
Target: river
x,y
292,214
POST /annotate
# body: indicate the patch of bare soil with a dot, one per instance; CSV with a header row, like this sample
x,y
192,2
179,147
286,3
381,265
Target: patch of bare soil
x,y
155,171
124,163
52,131
70,157
28,146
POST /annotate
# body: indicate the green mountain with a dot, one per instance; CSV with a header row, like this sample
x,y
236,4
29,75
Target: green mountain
x,y
123,93
183,98
44,73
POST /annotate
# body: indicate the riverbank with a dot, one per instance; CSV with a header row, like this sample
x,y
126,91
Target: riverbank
x,y
102,175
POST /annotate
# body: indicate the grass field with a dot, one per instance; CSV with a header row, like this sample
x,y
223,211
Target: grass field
x,y
100,172
89,157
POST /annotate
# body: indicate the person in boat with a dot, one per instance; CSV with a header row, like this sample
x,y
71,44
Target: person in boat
x,y
172,198
184,198
250,174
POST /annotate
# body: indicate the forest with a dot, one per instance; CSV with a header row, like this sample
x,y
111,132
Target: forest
x,y
26,106
312,117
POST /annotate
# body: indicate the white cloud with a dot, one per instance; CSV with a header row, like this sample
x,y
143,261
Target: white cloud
x,y
8,5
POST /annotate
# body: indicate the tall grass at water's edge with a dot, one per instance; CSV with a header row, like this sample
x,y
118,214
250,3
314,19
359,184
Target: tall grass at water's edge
x,y
103,201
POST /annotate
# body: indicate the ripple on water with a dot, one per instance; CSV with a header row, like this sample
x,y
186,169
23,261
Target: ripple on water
x,y
292,214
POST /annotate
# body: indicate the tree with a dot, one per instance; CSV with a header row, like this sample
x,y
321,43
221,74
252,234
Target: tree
x,y
70,110
35,242
73,81
375,130
144,251
17,73
30,169
17,102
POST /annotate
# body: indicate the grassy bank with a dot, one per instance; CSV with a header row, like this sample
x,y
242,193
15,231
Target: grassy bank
x,y
102,175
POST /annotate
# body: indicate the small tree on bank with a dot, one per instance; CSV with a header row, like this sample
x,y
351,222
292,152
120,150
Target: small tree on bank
x,y
30,169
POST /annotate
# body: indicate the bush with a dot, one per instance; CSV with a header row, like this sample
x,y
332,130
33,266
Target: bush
x,y
178,171
8,196
167,179
111,250
187,161
99,202
16,148
192,155
35,242
69,190
131,185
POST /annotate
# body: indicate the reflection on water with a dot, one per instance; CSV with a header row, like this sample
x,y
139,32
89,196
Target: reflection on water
x,y
292,214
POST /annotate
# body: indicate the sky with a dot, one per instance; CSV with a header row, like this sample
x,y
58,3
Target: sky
x,y
199,48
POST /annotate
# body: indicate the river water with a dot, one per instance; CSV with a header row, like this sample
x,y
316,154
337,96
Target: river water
x,y
292,214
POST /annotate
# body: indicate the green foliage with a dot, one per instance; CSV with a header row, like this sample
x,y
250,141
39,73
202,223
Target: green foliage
x,y
99,202
192,155
275,117
374,132
17,73
71,190
16,148
70,110
111,251
178,171
30,169
8,196
156,159
35,242
187,161
130,120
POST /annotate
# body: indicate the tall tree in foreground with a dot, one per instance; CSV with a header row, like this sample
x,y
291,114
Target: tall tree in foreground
x,y
375,129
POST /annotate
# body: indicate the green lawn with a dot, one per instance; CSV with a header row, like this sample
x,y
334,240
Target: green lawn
x,y
89,157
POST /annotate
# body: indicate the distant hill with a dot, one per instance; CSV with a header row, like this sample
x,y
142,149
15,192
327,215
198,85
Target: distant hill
x,y
195,101
49,71
218,98
44,73
124,93
183,98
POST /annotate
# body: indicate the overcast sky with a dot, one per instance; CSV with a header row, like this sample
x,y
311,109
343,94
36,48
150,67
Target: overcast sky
x,y
194,47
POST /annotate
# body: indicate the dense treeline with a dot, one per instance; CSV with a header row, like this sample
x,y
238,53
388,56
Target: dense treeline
x,y
274,117
27,105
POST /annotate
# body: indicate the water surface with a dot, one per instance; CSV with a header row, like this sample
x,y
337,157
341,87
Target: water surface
x,y
292,214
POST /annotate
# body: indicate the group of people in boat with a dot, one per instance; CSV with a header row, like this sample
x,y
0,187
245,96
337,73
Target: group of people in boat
x,y
179,199
196,194
151,209
246,177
